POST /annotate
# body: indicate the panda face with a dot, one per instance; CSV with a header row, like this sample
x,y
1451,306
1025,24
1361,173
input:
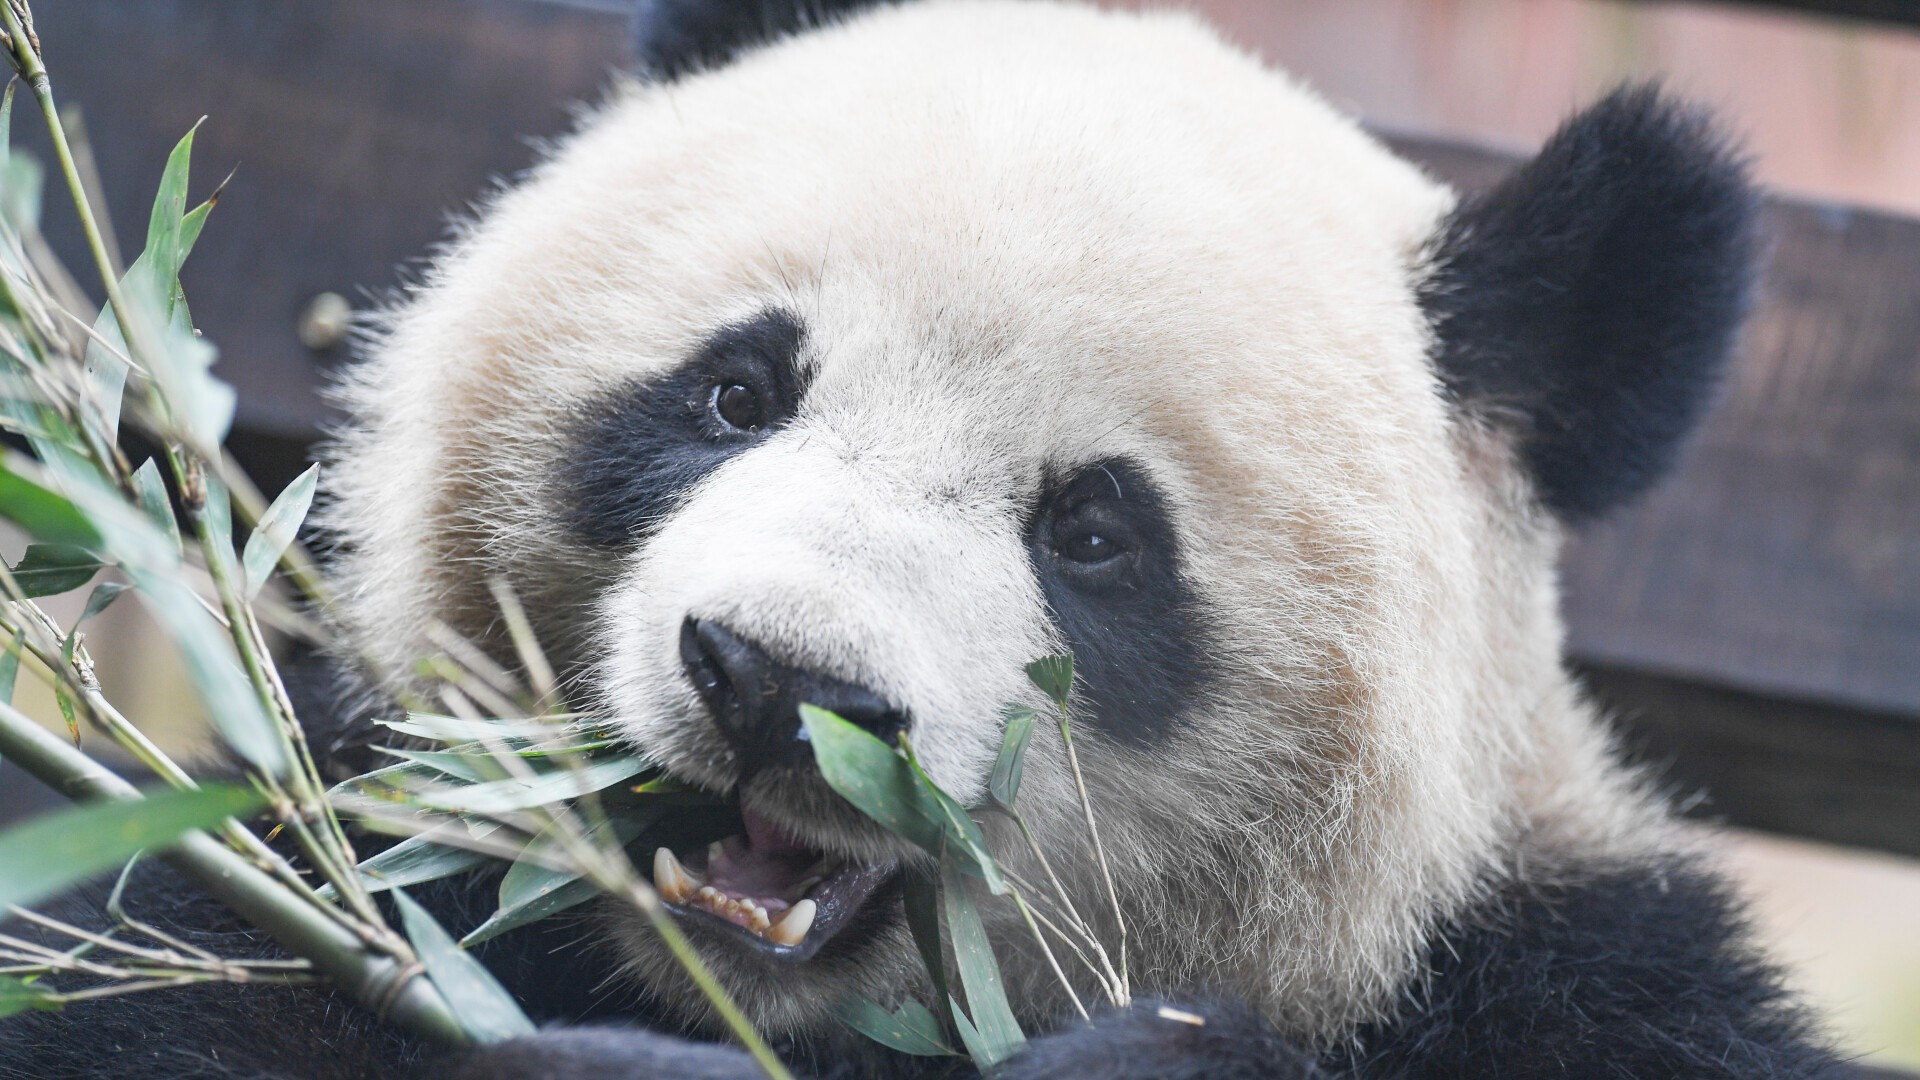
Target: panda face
x,y
872,367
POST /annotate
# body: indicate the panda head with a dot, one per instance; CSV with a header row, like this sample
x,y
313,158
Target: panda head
x,y
880,361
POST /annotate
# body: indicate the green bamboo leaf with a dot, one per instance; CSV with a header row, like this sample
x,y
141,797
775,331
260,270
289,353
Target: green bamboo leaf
x,y
474,768
422,858
51,569
170,205
153,500
920,896
6,122
1054,675
214,669
977,1048
504,796
53,851
570,895
17,996
873,777
530,892
103,594
46,515
1004,786
998,1032
10,665
962,834
912,1029
484,1008
276,530
21,181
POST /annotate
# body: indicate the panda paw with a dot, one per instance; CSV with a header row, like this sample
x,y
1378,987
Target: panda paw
x,y
1159,1041
579,1053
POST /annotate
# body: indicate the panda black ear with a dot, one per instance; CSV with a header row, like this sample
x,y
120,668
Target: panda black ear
x,y
673,37
1587,303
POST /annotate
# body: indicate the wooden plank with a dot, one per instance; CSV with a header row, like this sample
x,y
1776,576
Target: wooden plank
x,y
1811,769
1896,12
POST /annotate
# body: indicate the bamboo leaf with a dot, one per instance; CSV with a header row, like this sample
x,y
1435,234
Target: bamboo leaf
x,y
920,896
51,569
10,665
911,1029
46,515
103,595
483,1006
51,852
17,996
1054,675
977,1047
504,796
214,670
570,895
276,531
422,858
873,777
1004,786
153,500
170,205
998,1032
962,834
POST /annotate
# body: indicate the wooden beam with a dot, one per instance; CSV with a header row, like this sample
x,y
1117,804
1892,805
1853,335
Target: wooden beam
x,y
1893,12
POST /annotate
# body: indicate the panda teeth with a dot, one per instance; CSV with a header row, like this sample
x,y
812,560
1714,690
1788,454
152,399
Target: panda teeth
x,y
792,927
678,885
671,880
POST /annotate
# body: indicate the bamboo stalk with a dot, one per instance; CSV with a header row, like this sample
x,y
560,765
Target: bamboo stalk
x,y
389,985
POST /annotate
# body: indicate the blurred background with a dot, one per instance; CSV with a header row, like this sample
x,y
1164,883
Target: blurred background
x,y
1754,627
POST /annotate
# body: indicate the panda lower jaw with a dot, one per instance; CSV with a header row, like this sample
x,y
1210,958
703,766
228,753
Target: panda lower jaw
x,y
767,891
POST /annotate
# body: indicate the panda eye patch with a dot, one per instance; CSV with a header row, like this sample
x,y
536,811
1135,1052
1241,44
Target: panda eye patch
x,y
636,450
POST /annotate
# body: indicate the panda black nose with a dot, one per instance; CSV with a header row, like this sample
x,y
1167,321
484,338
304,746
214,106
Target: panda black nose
x,y
755,700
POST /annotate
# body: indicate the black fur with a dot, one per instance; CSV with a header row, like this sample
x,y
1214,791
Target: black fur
x,y
638,451
1140,1043
1134,622
1589,301
674,37
1636,972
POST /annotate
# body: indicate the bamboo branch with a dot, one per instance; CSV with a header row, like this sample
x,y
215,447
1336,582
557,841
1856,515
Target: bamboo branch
x,y
387,983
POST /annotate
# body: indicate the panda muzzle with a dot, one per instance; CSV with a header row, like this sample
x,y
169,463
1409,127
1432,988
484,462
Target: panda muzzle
x,y
788,898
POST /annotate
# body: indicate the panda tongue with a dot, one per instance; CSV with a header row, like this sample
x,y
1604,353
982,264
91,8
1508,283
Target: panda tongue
x,y
764,837
767,864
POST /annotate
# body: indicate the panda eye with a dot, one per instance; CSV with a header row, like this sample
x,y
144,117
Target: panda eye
x,y
738,406
1089,548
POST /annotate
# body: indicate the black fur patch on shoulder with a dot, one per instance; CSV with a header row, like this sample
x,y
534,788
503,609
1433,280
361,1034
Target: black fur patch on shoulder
x,y
636,452
1589,302
1643,972
1133,621
674,37
1231,1042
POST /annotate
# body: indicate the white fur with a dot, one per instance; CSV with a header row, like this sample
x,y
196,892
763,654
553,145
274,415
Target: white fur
x,y
1022,235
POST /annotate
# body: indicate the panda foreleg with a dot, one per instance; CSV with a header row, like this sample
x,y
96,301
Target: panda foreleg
x,y
580,1053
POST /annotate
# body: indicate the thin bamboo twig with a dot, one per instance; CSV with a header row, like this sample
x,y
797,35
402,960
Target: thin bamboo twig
x,y
1100,852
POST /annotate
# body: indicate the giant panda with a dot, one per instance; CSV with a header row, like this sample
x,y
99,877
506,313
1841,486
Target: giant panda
x,y
861,357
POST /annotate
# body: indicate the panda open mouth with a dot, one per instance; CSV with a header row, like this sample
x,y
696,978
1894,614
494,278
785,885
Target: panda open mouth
x,y
779,895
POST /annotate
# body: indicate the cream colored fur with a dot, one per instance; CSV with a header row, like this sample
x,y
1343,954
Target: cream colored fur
x,y
1021,235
